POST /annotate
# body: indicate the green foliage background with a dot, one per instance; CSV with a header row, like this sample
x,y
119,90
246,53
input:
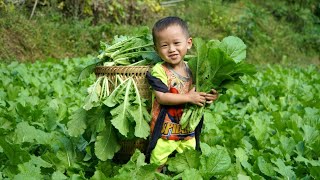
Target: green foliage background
x,y
268,128
285,31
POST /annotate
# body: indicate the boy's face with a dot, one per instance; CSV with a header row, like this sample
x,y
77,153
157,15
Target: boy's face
x,y
172,44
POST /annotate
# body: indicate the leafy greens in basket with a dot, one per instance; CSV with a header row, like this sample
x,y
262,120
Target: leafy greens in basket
x,y
216,65
110,116
127,51
123,111
124,51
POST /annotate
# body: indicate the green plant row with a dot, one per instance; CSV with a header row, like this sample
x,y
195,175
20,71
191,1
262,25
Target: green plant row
x,y
266,128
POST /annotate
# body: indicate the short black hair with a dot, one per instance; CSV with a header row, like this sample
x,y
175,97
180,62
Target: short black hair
x,y
169,21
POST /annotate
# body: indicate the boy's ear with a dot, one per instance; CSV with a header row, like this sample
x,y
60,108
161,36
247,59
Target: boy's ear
x,y
189,43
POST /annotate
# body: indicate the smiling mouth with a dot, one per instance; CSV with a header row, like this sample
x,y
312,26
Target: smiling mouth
x,y
173,56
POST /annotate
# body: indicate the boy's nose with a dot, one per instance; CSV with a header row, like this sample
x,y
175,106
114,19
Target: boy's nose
x,y
171,48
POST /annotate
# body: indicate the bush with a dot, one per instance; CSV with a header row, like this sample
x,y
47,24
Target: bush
x,y
277,31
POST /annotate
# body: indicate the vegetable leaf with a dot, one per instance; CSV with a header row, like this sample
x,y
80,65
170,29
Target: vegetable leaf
x,y
214,161
120,113
32,168
184,161
93,95
234,47
77,124
128,111
26,133
216,66
285,171
15,154
106,144
140,115
265,167
136,168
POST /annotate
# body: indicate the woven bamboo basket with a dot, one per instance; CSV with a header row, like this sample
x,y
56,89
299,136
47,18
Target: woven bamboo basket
x,y
138,73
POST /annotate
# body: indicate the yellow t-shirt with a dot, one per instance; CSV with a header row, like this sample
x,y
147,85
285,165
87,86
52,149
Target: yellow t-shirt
x,y
175,83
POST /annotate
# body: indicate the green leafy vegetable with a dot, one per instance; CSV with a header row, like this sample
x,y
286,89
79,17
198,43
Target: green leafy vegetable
x,y
234,47
184,161
106,144
136,168
128,109
214,161
216,66
124,51
287,98
110,116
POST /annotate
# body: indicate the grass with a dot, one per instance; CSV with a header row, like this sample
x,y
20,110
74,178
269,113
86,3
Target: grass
x,y
43,38
270,39
268,29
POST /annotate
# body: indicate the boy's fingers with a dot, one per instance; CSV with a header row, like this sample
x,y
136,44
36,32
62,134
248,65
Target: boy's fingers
x,y
202,99
214,91
202,94
210,96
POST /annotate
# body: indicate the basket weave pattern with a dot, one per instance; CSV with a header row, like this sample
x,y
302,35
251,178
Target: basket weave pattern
x,y
138,73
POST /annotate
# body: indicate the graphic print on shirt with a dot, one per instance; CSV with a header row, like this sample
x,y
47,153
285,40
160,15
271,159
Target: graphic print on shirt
x,y
175,111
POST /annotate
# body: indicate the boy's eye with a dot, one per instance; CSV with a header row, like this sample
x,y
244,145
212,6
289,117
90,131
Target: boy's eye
x,y
164,45
177,42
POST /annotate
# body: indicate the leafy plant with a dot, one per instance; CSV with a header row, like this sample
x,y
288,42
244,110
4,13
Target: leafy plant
x,y
37,100
128,109
267,127
125,51
120,114
218,65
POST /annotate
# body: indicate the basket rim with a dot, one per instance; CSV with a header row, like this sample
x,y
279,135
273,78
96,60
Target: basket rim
x,y
121,69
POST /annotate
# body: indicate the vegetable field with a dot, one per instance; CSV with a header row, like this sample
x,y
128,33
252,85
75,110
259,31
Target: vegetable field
x,y
267,128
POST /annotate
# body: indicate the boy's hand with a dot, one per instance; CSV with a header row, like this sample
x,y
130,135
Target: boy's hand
x,y
212,96
197,98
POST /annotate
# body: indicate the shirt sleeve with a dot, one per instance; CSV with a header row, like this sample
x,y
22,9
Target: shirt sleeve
x,y
159,72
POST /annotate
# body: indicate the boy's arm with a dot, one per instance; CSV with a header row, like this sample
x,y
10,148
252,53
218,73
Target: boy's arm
x,y
198,98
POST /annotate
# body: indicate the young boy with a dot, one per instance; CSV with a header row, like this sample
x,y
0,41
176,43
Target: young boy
x,y
171,81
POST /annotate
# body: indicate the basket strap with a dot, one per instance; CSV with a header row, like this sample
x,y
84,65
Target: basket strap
x,y
156,134
156,83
